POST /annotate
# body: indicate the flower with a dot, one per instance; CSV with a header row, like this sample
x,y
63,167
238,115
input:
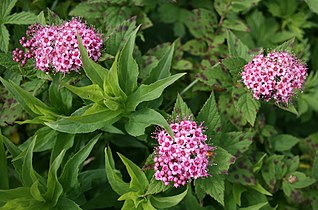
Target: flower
x,y
57,46
276,75
184,157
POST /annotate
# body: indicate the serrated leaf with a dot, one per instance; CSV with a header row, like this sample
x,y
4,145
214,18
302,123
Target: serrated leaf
x,y
223,160
5,38
213,186
210,116
143,118
235,66
236,47
235,142
127,66
181,109
150,92
167,202
5,7
284,142
138,178
156,187
21,18
246,105
4,184
41,18
69,175
114,176
288,107
286,45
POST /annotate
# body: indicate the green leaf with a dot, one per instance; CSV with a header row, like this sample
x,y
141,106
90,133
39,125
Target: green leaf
x,y
181,109
246,105
30,103
4,184
255,207
288,107
139,180
235,142
223,160
236,47
313,5
14,151
96,73
210,116
69,176
235,66
11,194
235,24
85,123
5,7
21,18
29,175
5,38
237,191
35,192
156,187
41,18
143,118
150,92
127,66
64,141
167,202
54,187
284,142
113,175
315,167
214,186
196,47
286,45
162,70
65,203
258,187
91,92
302,180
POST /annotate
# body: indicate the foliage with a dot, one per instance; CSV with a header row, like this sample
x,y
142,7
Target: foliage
x,y
85,140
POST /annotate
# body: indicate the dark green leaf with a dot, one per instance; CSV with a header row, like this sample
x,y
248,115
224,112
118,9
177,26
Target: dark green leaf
x,y
4,184
114,176
255,207
313,5
181,109
223,160
150,92
69,176
64,141
236,47
143,118
196,47
235,66
210,116
5,38
286,45
139,180
214,186
127,66
284,142
315,167
29,175
65,203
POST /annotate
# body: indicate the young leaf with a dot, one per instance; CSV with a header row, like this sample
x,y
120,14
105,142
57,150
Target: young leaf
x,y
114,176
11,194
236,47
167,202
214,186
95,72
210,116
246,105
29,175
162,70
68,178
181,109
91,92
139,180
4,184
284,142
143,118
127,66
150,92
54,187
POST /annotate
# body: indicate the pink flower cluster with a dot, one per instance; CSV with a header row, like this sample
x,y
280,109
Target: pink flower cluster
x,y
184,157
57,47
275,75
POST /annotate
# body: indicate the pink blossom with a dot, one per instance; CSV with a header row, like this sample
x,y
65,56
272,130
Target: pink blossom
x,y
56,47
274,76
184,157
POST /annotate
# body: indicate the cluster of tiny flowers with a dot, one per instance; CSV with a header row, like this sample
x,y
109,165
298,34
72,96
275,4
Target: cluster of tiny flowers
x,y
57,46
275,75
184,157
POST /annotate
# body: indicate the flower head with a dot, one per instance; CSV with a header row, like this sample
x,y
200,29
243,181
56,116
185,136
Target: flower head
x,y
184,157
276,75
56,47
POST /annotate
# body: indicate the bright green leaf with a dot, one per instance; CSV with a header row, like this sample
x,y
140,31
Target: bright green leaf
x,y
21,18
255,207
35,192
11,194
5,38
181,109
5,7
91,92
284,142
167,202
236,47
313,5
